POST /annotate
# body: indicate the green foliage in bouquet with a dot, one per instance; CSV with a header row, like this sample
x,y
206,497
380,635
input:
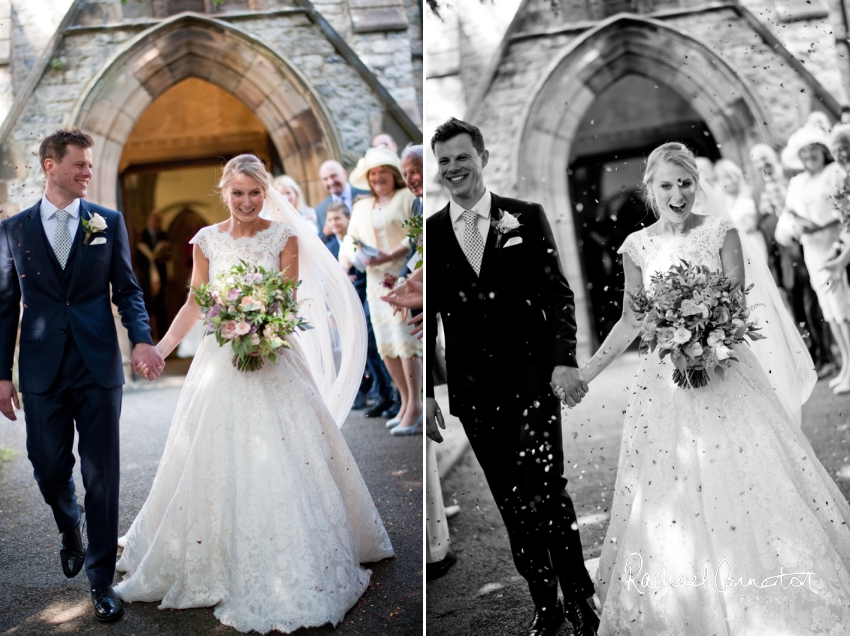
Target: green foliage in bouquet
x,y
414,233
253,310
695,316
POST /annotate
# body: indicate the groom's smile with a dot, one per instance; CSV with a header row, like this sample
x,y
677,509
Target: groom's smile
x,y
461,168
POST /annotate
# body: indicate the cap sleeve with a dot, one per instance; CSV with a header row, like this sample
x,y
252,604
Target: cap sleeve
x,y
720,230
631,247
285,232
201,240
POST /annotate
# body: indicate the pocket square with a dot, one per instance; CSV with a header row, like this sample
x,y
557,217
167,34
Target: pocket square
x,y
98,241
514,241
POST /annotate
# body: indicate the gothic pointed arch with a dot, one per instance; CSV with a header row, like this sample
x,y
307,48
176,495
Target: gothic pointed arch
x,y
196,46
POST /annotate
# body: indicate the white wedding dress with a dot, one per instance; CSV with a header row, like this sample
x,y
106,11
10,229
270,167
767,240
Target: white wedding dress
x,y
257,507
718,478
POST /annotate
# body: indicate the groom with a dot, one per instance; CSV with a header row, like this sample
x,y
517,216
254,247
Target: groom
x,y
65,256
495,278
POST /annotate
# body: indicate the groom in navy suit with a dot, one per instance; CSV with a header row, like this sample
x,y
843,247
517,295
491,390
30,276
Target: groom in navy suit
x,y
63,257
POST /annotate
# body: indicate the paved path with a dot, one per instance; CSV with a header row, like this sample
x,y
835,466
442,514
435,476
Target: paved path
x,y
483,594
36,599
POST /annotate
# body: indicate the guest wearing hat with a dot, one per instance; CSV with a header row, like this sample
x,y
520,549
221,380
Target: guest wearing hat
x,y
376,221
810,202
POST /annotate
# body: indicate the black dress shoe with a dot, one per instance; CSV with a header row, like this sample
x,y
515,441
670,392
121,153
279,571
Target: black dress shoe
x,y
439,568
583,617
107,606
72,553
359,403
379,407
547,623
392,411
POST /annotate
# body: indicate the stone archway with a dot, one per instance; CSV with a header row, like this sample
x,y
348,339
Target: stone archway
x,y
195,46
618,47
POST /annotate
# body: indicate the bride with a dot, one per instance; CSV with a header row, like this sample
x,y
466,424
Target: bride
x,y
723,519
257,507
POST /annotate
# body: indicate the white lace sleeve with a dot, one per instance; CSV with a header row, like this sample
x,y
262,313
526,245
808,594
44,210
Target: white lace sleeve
x,y
718,233
200,239
284,233
632,247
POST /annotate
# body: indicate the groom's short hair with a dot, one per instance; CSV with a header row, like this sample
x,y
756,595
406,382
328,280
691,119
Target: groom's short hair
x,y
454,127
55,145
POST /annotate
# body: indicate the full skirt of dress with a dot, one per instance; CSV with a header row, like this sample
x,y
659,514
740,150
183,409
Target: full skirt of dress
x,y
717,495
257,507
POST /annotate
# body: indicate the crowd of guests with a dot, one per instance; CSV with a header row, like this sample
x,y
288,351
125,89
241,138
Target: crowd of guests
x,y
362,222
789,209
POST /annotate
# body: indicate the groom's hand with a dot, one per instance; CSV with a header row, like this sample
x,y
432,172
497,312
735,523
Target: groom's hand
x,y
8,399
433,419
568,385
147,361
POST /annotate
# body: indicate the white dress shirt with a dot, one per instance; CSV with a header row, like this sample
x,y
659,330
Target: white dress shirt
x,y
482,222
345,197
49,220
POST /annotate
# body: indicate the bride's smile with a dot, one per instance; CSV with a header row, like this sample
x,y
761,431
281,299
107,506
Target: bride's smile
x,y
673,192
245,199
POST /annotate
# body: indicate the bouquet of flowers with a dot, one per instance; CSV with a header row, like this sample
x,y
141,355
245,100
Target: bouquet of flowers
x,y
693,315
253,310
841,203
413,225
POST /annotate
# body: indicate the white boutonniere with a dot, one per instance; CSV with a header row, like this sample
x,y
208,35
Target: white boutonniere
x,y
94,225
506,223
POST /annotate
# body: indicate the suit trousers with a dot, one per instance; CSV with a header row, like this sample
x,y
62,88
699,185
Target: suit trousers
x,y
523,460
75,397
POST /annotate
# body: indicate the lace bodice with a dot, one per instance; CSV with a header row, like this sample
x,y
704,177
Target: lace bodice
x,y
657,253
262,249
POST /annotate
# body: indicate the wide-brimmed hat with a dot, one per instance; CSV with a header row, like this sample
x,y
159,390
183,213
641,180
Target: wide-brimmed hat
x,y
800,138
374,157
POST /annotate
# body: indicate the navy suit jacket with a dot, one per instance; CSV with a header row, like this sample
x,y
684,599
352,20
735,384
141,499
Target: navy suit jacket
x,y
26,272
507,328
322,208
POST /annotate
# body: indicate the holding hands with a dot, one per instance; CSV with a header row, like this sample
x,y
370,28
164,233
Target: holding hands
x,y
147,361
568,385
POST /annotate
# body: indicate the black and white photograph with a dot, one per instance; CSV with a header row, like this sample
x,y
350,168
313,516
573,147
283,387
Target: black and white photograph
x,y
211,317
637,230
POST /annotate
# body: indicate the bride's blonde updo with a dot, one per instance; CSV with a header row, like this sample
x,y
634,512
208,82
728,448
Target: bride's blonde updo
x,y
249,165
671,152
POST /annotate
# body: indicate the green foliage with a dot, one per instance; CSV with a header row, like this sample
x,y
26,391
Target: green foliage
x,y
253,310
414,233
7,454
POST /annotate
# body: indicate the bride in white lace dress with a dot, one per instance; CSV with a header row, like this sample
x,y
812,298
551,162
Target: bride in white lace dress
x,y
717,485
258,507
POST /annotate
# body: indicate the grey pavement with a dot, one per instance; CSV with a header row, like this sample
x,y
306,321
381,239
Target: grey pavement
x,y
35,597
483,594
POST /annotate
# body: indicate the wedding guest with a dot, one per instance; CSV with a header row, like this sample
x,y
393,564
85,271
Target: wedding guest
x,y
809,201
740,203
789,269
153,257
819,119
706,171
290,189
383,140
377,222
335,180
376,379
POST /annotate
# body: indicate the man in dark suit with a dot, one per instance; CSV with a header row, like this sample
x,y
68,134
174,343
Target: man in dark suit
x,y
65,256
495,278
335,179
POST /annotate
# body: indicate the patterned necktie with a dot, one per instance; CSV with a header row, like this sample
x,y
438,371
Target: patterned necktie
x,y
473,244
62,238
